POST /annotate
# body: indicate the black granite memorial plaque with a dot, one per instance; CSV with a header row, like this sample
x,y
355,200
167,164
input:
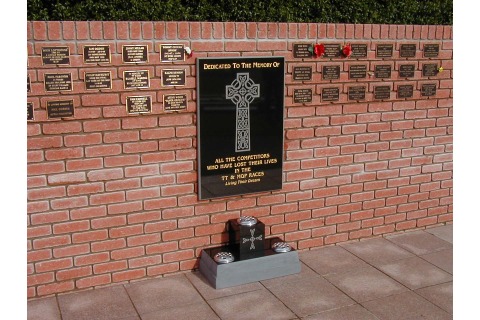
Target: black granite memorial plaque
x,y
93,54
381,92
408,50
356,93
332,50
135,53
359,50
29,111
58,82
330,72
384,50
56,55
431,50
301,50
98,80
383,71
136,79
357,71
60,109
173,77
302,73
139,104
406,71
429,89
330,94
174,102
429,69
302,95
172,52
240,125
405,91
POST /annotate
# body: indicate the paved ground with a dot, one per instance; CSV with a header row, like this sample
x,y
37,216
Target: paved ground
x,y
402,276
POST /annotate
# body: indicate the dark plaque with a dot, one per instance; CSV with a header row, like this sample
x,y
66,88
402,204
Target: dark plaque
x,y
174,102
330,72
330,94
28,84
408,50
302,73
246,241
58,82
405,91
358,71
429,69
55,55
407,71
98,80
96,54
136,79
359,50
332,51
240,125
60,109
384,50
172,52
356,93
431,50
300,50
429,89
381,92
135,53
173,77
139,104
383,71
302,95
29,111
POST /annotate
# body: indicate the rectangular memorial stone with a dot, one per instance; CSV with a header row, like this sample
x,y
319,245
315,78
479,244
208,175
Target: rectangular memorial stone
x,y
302,95
240,125
139,104
384,50
407,71
330,94
96,54
381,92
302,73
429,89
383,71
330,72
300,50
356,93
98,80
358,71
58,82
408,50
405,91
172,52
431,50
60,109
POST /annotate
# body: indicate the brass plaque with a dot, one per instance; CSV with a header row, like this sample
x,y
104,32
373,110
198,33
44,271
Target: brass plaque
x,y
356,93
381,92
330,72
98,80
302,73
135,53
139,104
172,52
136,79
431,50
300,50
96,54
407,71
358,71
408,50
359,50
384,50
29,111
58,82
174,102
55,55
29,89
429,69
429,89
383,71
330,94
302,95
60,109
173,77
405,91
332,51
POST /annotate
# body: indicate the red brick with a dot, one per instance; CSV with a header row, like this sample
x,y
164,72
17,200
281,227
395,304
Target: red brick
x,y
93,281
57,287
69,227
108,245
55,264
74,273
126,231
89,236
127,253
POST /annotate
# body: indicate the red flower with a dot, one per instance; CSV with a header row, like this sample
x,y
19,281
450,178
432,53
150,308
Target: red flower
x,y
347,50
189,52
319,50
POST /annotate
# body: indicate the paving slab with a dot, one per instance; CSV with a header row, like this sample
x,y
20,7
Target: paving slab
x,y
419,242
377,251
442,259
43,309
330,259
441,295
196,311
443,232
355,312
110,303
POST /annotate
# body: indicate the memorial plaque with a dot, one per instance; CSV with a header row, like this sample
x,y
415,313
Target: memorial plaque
x,y
332,50
28,84
408,50
173,77
300,50
58,82
359,50
98,80
356,93
172,52
55,55
174,102
240,125
429,89
139,104
358,71
302,73
431,50
429,69
384,50
383,71
381,92
330,94
135,53
60,109
136,79
93,54
405,91
29,111
407,71
302,95
330,72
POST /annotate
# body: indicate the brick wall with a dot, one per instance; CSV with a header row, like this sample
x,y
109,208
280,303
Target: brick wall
x,y
112,197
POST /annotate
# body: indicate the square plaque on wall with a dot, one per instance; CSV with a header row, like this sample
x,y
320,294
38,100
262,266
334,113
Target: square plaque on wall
x,y
240,125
